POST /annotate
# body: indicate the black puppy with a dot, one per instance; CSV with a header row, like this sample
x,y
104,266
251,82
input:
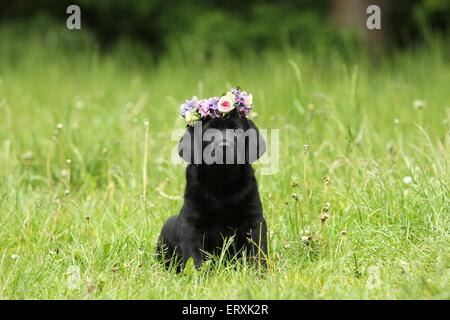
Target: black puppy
x,y
221,199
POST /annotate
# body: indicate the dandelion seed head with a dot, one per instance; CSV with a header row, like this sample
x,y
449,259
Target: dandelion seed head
x,y
407,180
306,148
294,182
324,217
306,239
419,104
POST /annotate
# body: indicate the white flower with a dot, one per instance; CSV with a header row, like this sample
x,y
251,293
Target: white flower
x,y
419,104
226,103
407,180
248,99
14,256
192,116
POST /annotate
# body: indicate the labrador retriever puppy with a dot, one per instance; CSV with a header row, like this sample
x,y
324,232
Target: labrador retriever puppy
x,y
221,198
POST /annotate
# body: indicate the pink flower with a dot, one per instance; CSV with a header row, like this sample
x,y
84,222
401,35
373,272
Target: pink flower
x,y
226,103
203,109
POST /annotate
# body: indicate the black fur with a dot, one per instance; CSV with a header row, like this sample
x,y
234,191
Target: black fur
x,y
220,201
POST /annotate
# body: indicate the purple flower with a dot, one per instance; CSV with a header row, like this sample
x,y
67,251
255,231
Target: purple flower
x,y
212,103
212,106
189,105
248,103
195,110
243,101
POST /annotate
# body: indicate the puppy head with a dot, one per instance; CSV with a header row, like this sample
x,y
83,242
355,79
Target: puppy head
x,y
228,141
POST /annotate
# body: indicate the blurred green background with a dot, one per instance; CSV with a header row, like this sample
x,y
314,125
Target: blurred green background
x,y
372,105
208,26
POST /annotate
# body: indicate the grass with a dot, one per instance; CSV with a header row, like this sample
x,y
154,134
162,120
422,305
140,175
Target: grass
x,y
84,228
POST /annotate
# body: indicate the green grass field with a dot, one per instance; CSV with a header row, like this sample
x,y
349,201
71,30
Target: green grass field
x,y
85,229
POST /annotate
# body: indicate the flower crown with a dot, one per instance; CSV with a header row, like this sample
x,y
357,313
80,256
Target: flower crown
x,y
234,101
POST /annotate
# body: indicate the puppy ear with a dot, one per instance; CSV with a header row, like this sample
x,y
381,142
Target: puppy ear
x,y
186,145
256,145
190,145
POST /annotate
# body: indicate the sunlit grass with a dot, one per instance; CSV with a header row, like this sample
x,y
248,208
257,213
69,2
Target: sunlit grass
x,y
84,228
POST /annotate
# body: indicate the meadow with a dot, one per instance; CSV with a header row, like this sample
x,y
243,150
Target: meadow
x,y
79,218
